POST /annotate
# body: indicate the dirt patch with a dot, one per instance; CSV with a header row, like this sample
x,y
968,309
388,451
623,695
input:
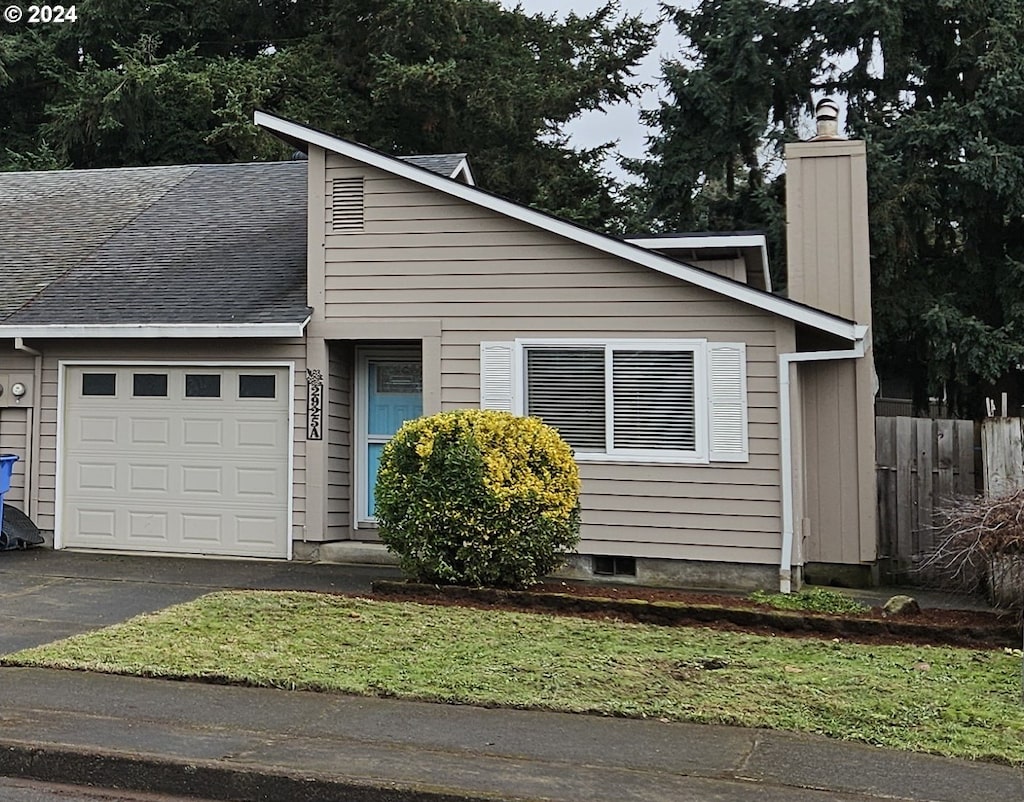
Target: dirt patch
x,y
965,628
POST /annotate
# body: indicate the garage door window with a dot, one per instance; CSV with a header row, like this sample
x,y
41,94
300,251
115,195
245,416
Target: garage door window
x,y
256,386
99,384
149,385
202,385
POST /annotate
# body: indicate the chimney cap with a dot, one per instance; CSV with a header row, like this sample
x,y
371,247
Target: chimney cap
x,y
826,113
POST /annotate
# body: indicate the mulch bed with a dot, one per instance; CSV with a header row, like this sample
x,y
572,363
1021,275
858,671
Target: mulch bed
x,y
667,607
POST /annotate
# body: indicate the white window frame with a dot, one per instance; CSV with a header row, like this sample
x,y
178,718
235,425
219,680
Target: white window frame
x,y
699,456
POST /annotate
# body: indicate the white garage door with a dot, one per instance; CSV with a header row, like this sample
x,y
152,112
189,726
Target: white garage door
x,y
189,460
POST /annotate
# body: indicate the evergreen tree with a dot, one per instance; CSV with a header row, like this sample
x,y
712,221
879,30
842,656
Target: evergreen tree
x,y
179,83
936,88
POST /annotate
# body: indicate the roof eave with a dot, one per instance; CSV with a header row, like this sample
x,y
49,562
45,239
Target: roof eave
x,y
204,331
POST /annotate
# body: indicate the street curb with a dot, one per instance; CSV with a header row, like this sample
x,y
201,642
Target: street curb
x,y
206,779
668,613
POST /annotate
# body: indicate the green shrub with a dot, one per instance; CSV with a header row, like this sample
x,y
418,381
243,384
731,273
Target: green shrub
x,y
479,498
812,600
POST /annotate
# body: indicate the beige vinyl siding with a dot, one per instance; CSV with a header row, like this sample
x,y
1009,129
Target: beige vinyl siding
x,y
184,351
339,433
829,268
14,438
488,278
735,268
15,421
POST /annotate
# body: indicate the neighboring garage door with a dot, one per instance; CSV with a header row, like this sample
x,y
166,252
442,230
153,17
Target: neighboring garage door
x,y
189,460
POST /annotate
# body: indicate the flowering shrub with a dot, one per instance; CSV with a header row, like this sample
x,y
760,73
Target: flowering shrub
x,y
478,497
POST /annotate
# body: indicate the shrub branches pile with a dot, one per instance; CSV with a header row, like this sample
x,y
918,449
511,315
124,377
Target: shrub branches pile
x,y
981,544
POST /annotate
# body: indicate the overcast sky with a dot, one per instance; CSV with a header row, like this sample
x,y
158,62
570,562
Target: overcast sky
x,y
622,121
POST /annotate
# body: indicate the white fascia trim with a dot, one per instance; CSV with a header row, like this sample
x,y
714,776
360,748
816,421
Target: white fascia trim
x,y
156,330
701,241
463,172
786,443
614,247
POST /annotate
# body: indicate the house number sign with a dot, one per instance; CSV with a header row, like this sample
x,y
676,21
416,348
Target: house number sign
x,y
315,405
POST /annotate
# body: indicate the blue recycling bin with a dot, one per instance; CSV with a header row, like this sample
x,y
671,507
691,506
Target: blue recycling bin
x,y
6,469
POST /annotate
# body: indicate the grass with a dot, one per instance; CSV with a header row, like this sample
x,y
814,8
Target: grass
x,y
955,702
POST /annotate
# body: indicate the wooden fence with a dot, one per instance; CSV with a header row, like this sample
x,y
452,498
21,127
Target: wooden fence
x,y
920,463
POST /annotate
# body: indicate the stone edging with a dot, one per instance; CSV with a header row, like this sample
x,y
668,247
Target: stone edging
x,y
678,613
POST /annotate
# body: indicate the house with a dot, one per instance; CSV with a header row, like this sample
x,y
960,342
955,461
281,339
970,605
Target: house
x,y
208,359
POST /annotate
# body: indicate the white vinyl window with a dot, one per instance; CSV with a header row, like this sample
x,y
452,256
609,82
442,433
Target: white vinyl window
x,y
648,400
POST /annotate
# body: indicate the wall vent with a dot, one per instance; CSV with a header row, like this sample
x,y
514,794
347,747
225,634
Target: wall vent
x,y
347,205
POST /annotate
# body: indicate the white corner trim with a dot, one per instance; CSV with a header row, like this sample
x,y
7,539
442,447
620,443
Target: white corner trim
x,y
786,443
155,330
614,247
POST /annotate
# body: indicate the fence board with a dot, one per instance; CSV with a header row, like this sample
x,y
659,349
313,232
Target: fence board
x,y
944,487
920,465
1002,448
925,484
905,488
966,432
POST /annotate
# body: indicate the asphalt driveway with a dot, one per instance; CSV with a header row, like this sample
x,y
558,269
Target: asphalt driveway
x,y
46,594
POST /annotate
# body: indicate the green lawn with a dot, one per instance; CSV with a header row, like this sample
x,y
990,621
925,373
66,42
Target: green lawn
x,y
956,702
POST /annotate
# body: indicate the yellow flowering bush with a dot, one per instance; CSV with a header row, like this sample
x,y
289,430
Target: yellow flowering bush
x,y
478,497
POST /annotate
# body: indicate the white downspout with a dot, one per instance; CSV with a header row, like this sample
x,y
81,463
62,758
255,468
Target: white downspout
x,y
786,438
34,429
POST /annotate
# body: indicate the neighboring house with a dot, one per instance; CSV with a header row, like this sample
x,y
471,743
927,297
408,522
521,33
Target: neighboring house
x,y
212,357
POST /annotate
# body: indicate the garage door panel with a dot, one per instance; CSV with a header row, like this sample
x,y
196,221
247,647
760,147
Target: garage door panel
x,y
150,432
198,432
149,479
96,525
96,430
173,473
147,527
94,477
202,530
202,480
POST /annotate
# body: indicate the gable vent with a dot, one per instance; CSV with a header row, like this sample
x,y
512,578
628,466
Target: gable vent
x,y
347,205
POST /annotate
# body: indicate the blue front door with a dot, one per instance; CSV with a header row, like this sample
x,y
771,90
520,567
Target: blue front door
x,y
394,394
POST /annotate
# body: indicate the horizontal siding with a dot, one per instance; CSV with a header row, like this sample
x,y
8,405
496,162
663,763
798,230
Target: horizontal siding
x,y
14,424
166,350
14,438
426,255
339,432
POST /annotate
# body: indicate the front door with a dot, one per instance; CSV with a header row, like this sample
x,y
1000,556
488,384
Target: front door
x,y
392,393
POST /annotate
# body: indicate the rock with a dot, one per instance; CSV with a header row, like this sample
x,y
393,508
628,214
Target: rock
x,y
901,605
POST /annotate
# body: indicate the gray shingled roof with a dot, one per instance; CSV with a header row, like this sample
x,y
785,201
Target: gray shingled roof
x,y
442,163
51,221
200,244
177,245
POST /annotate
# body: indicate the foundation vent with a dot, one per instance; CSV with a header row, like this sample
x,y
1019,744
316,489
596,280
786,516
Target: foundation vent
x,y
347,205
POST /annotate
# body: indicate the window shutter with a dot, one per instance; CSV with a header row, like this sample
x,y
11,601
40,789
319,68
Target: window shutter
x,y
497,376
653,394
347,205
727,395
565,387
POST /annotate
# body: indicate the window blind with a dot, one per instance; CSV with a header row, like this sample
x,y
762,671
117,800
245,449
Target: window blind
x,y
653,400
566,389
